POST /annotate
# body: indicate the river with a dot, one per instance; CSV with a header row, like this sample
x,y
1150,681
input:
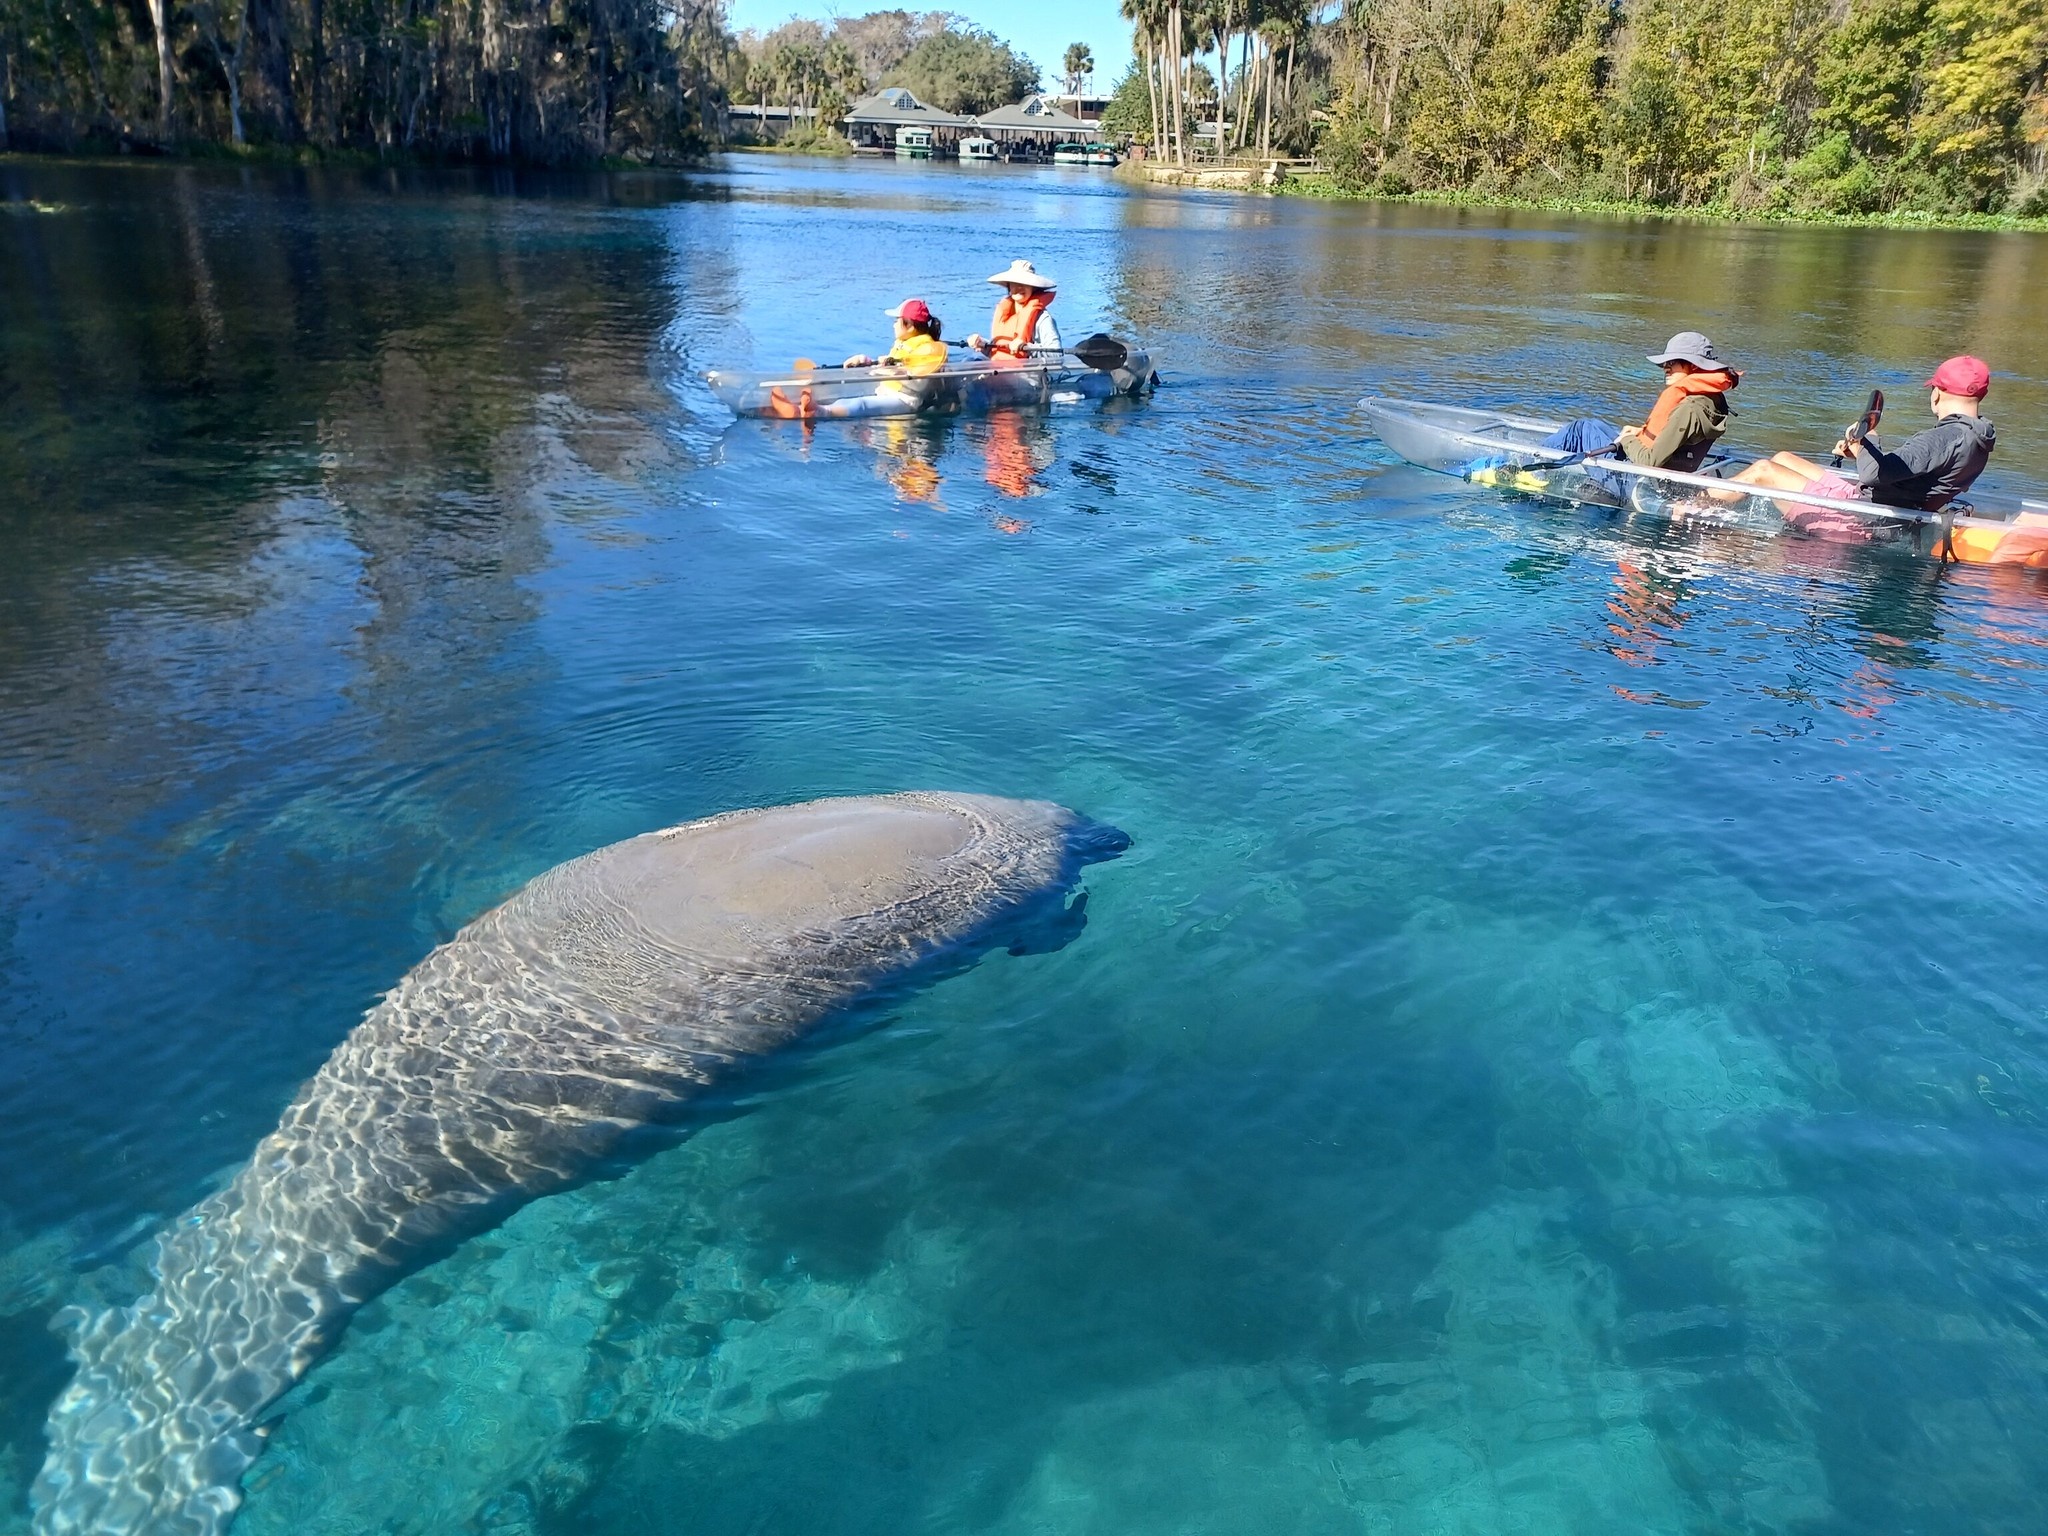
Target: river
x,y
1567,1050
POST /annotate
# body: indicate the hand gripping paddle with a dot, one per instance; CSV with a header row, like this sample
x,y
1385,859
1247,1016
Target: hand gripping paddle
x,y
1865,424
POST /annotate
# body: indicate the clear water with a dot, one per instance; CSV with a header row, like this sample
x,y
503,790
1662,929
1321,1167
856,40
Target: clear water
x,y
1567,1051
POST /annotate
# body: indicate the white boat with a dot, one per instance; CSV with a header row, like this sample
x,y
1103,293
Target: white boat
x,y
1084,154
978,148
1505,450
913,143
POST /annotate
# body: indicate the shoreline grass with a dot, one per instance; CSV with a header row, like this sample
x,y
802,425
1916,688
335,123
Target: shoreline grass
x,y
1320,187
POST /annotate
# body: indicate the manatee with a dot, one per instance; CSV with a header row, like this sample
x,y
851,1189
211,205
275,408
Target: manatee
x,y
551,1041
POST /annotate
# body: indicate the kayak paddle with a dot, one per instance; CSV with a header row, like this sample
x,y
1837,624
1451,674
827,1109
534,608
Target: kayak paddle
x,y
1104,354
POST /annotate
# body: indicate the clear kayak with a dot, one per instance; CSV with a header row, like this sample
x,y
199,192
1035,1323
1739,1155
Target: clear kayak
x,y
1505,450
970,387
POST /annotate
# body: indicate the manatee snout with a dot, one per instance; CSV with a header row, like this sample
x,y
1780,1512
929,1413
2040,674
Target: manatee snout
x,y
1051,921
1094,841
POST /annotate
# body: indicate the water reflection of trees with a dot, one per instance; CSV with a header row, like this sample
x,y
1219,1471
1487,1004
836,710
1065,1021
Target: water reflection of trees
x,y
278,458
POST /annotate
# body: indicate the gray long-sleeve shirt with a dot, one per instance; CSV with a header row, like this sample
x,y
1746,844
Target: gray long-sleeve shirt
x,y
1929,469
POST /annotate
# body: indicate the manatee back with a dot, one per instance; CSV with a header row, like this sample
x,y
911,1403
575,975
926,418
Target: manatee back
x,y
509,1063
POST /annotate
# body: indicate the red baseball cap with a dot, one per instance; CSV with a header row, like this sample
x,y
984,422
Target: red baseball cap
x,y
1969,376
916,311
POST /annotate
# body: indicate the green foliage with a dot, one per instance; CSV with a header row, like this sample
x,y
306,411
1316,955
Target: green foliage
x,y
1351,148
965,69
810,139
1130,108
1762,105
547,81
1987,59
1834,177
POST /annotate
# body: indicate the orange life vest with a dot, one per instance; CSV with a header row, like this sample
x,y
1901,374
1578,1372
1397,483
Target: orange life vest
x,y
1717,382
1010,332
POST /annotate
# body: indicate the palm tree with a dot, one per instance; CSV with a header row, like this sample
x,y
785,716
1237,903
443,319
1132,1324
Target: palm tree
x,y
1078,65
1176,42
1287,21
1148,21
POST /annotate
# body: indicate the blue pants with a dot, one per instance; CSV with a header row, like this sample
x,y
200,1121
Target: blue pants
x,y
1583,438
1588,435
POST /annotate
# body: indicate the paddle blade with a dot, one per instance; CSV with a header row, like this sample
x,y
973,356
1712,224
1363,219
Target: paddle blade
x,y
1103,353
803,365
1866,424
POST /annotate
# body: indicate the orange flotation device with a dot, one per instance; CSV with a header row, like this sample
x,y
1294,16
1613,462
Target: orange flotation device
x,y
2023,541
1011,329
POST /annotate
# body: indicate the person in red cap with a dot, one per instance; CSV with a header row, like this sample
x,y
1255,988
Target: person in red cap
x,y
1925,473
918,350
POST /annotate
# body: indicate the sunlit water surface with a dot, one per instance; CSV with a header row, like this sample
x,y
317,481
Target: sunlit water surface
x,y
1566,1052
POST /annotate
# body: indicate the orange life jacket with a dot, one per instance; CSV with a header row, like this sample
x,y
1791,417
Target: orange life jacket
x,y
1009,333
1717,382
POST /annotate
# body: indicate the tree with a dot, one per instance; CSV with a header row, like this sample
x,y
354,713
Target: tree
x,y
966,70
1130,110
1076,66
1988,58
1148,22
1867,76
881,40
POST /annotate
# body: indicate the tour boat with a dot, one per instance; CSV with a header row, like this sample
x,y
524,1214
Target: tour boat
x,y
1504,449
1084,154
1099,368
913,143
978,148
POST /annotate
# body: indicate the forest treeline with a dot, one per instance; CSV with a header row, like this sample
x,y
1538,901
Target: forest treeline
x,y
1823,106
491,80
506,81
941,59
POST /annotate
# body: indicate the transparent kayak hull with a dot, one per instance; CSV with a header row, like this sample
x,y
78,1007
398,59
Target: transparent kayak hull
x,y
970,387
1505,450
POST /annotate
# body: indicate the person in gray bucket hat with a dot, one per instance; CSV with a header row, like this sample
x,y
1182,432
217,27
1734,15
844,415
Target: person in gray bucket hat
x,y
1685,423
1690,347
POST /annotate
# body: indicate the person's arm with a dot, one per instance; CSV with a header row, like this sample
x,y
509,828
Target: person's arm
x,y
1919,455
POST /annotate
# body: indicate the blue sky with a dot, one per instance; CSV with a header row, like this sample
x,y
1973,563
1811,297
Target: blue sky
x,y
1041,29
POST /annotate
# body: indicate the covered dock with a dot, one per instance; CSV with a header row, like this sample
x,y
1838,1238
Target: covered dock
x,y
873,122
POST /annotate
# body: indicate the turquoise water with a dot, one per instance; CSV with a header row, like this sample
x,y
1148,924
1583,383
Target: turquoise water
x,y
1566,1051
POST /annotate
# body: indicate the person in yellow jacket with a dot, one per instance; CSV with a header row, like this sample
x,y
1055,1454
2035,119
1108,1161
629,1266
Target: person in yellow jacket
x,y
918,349
1021,324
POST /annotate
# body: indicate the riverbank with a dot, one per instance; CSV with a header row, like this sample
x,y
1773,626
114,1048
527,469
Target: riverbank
x,y
829,145
1316,185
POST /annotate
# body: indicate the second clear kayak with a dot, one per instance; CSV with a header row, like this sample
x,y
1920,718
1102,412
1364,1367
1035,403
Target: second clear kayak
x,y
1098,369
1506,450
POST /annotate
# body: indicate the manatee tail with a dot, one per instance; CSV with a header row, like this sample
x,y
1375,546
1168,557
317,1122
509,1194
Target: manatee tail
x,y
153,1434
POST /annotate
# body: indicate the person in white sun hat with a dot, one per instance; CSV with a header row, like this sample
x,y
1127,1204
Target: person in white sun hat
x,y
1021,325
